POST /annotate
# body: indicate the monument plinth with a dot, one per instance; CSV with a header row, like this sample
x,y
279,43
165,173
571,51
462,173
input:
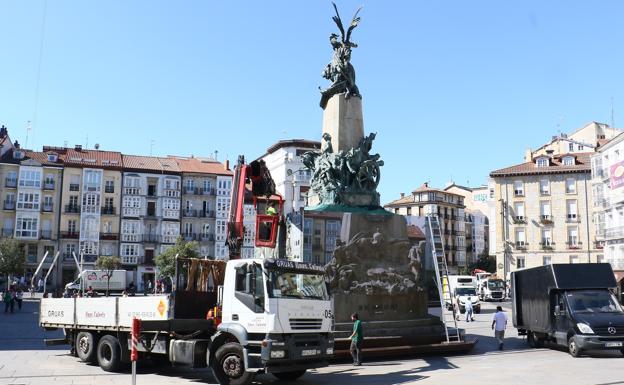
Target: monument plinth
x,y
342,120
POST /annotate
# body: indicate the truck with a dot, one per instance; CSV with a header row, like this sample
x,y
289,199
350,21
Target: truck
x,y
464,287
98,280
491,289
570,305
240,318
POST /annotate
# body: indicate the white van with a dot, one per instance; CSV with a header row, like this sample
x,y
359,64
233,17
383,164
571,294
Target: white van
x,y
98,280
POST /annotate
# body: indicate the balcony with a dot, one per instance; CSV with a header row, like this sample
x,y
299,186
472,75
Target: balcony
x,y
151,238
70,234
108,210
129,259
206,237
189,213
74,187
108,236
48,185
68,257
9,205
574,245
72,209
171,238
207,191
521,245
519,219
572,218
7,232
190,237
132,191
547,244
546,219
91,187
131,237
206,214
45,234
10,183
89,258
109,189
191,190
47,207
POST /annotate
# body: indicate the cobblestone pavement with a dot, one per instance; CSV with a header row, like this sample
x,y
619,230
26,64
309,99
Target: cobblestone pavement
x,y
25,360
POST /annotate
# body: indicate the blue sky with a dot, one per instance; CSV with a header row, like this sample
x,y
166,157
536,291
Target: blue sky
x,y
454,89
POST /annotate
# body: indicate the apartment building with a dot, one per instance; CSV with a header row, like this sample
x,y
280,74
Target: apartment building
x,y
30,201
150,212
206,186
449,207
586,139
321,236
608,191
90,196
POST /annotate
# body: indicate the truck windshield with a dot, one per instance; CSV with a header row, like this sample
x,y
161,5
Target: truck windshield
x,y
496,284
465,291
593,302
284,284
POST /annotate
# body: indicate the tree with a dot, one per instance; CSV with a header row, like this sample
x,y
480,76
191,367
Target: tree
x,y
108,264
165,261
485,262
11,258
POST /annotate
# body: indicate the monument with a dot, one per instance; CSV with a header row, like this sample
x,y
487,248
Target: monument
x,y
374,270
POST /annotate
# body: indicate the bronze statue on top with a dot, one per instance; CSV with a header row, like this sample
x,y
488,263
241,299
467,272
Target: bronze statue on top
x,y
339,70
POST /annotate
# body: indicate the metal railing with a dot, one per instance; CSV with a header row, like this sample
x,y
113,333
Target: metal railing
x,y
72,209
109,236
189,213
108,210
70,234
74,187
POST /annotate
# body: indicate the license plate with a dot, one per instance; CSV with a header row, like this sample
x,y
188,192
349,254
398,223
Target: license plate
x,y
309,352
613,344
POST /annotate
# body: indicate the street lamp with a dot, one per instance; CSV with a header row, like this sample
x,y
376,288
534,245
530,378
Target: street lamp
x,y
504,225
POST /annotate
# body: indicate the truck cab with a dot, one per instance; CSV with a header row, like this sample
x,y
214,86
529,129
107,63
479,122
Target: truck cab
x,y
492,289
468,293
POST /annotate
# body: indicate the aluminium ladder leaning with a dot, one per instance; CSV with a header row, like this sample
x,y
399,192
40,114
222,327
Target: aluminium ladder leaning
x,y
441,274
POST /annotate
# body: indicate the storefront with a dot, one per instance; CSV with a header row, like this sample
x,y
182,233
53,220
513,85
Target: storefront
x,y
145,274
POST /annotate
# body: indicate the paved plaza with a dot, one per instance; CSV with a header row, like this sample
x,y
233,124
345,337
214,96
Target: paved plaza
x,y
25,360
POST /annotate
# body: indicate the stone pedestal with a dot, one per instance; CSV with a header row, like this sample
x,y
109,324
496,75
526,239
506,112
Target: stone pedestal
x,y
342,119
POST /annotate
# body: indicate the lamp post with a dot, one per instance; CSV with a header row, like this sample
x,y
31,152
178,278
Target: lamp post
x,y
504,224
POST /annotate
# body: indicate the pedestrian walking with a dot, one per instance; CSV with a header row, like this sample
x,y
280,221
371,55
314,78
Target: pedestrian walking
x,y
19,297
7,298
357,337
456,307
40,285
469,310
149,286
499,323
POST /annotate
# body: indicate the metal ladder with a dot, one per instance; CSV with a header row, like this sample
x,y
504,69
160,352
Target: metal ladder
x,y
441,270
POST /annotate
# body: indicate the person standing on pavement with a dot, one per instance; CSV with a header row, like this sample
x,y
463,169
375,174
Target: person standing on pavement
x,y
19,295
499,323
468,307
40,285
356,340
7,298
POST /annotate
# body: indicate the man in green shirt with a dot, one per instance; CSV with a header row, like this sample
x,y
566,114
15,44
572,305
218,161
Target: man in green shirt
x,y
357,337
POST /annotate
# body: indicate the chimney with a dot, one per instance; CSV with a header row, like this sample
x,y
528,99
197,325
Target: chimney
x,y
3,131
78,147
528,155
402,195
426,184
227,164
16,145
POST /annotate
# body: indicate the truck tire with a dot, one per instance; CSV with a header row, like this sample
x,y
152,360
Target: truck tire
x,y
573,347
290,376
533,340
229,365
85,347
109,353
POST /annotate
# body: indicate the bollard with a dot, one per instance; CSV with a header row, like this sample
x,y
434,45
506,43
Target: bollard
x,y
134,354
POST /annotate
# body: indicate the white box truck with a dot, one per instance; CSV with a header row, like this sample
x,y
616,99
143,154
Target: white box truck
x,y
98,280
464,287
272,316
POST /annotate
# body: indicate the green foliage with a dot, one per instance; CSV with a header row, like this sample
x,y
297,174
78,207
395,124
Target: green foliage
x,y
166,261
11,257
485,262
108,264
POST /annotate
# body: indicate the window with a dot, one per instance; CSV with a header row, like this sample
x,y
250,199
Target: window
x,y
570,147
70,249
544,187
107,227
71,226
568,161
174,184
571,210
129,250
30,178
546,260
542,162
570,186
518,211
27,227
518,188
109,186
206,229
580,147
73,200
28,201
520,263
188,228
207,185
545,209
574,259
520,237
47,203
108,203
546,237
49,180
573,236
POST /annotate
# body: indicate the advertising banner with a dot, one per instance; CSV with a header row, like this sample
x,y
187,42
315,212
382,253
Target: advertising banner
x,y
617,175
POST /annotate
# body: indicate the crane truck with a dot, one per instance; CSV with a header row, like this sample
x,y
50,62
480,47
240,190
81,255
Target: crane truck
x,y
239,317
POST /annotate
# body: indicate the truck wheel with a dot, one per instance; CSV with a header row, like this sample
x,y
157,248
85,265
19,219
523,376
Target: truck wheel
x,y
229,365
573,348
533,340
109,353
290,376
85,347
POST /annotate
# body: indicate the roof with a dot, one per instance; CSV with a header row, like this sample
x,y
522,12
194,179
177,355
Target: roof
x,y
458,186
582,165
201,166
78,157
425,188
39,157
150,163
415,232
303,143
